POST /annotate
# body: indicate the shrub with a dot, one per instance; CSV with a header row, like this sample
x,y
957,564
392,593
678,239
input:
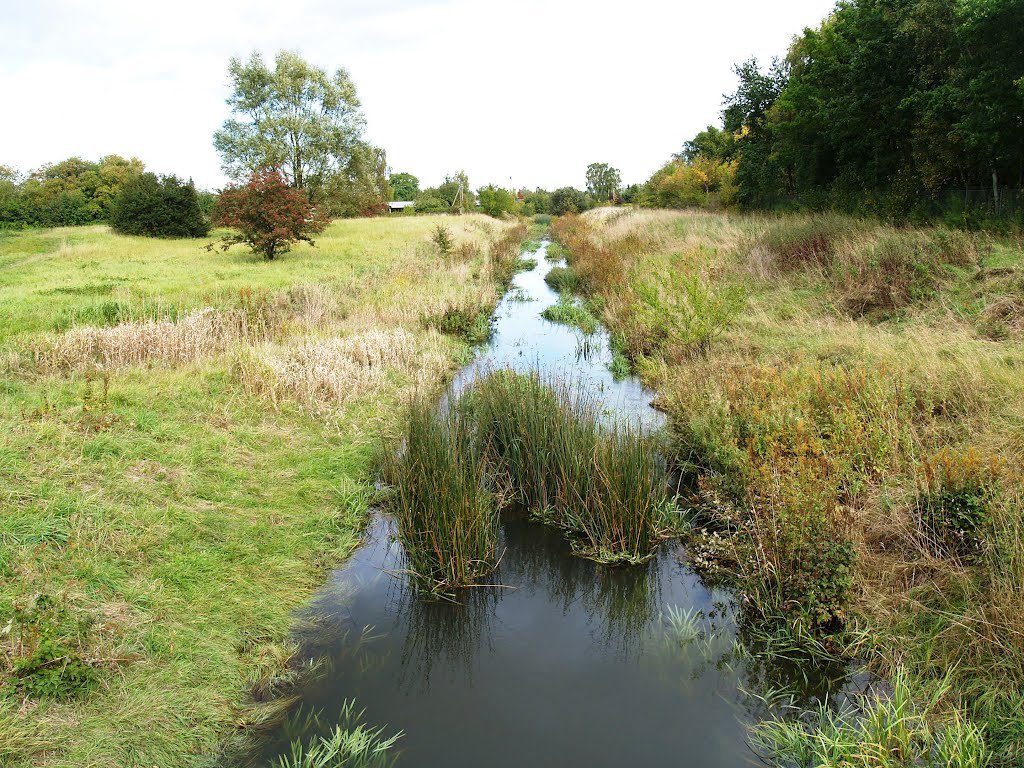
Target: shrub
x,y
781,454
442,238
158,207
46,643
570,200
269,216
681,310
955,491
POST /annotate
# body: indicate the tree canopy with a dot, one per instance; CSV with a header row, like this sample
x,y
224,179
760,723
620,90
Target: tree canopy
x,y
404,186
294,117
603,181
890,106
267,214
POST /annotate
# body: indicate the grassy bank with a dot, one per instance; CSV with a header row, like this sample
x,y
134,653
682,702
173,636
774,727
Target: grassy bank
x,y
186,443
847,398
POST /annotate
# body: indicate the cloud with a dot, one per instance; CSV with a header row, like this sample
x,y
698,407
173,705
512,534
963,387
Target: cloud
x,y
532,91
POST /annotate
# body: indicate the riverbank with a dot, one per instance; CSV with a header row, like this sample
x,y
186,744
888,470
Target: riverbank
x,y
186,443
847,399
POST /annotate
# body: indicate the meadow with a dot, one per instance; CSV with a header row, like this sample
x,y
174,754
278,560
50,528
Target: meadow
x,y
187,444
846,403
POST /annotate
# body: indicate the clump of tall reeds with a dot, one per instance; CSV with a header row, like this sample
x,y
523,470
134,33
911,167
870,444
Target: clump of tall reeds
x,y
515,439
604,485
447,516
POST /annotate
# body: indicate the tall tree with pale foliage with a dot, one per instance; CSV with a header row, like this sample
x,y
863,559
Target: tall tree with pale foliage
x,y
294,117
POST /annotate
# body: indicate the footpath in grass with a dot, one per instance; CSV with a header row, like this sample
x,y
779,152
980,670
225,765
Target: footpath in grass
x,y
187,443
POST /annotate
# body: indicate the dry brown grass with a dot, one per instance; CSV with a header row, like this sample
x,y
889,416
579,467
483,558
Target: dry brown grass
x,y
326,374
197,335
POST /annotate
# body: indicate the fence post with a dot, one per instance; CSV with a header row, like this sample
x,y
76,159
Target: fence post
x,y
995,191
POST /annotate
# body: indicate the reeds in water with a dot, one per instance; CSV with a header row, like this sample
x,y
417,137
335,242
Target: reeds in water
x,y
447,519
515,438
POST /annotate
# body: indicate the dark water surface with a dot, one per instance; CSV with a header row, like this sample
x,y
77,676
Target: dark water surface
x,y
563,662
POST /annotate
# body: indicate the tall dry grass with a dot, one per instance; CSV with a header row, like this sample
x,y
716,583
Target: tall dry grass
x,y
328,373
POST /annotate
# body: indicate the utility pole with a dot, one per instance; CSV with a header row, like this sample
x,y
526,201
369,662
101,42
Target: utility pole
x,y
460,197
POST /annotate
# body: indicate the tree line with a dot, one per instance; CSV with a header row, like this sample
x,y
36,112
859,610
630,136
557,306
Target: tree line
x,y
899,108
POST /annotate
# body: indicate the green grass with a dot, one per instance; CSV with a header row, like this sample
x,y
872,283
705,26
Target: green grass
x,y
174,514
568,312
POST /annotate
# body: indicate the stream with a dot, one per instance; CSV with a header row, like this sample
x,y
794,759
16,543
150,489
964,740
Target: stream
x,y
559,661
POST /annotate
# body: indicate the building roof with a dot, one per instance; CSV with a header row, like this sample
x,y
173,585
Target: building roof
x,y
401,204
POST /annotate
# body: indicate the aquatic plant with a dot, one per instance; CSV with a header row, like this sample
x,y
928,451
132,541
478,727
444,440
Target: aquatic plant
x,y
567,312
605,485
446,517
562,280
351,744
887,731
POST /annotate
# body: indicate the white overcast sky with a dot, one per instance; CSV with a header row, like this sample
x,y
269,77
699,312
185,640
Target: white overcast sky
x,y
516,93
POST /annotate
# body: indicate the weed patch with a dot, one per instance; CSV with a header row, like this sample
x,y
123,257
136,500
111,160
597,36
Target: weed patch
x,y
568,312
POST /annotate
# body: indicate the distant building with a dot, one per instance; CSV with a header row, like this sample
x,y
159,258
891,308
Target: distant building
x,y
397,206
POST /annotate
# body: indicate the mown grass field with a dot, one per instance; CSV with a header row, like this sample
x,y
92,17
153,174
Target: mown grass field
x,y
848,399
186,446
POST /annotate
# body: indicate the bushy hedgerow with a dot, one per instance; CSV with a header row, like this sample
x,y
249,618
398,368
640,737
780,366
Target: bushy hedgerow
x,y
155,206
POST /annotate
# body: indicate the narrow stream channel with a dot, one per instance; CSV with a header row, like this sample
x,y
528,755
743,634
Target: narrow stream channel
x,y
562,662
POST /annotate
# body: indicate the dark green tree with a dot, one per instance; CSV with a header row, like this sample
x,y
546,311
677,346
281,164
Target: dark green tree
x,y
155,206
404,186
569,200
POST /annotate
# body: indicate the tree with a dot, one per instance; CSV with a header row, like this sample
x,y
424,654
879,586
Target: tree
x,y
494,201
158,207
361,188
404,186
295,118
603,181
268,214
538,201
569,200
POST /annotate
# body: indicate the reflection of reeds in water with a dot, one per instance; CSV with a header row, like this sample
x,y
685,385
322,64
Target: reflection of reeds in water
x,y
446,634
619,602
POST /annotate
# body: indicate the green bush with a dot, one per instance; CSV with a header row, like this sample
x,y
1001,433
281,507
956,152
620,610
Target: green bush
x,y
158,207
